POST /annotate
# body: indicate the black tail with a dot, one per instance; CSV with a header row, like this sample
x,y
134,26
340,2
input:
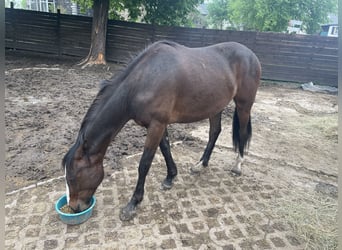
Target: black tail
x,y
241,139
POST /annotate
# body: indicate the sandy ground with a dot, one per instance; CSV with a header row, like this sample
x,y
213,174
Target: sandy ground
x,y
294,143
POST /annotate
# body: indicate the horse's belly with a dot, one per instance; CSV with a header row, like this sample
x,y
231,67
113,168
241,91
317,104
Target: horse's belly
x,y
197,111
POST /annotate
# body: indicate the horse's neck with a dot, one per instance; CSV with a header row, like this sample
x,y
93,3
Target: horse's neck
x,y
110,117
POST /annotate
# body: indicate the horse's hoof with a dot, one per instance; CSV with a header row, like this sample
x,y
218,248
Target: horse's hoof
x,y
197,168
166,184
195,171
236,172
127,214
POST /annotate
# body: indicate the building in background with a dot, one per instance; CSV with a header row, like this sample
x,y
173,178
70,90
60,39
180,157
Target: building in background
x,y
331,28
295,27
65,6
38,5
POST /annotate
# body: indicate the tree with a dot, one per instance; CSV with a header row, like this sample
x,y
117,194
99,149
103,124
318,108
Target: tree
x,y
270,15
168,12
262,15
315,13
97,52
164,12
197,18
218,13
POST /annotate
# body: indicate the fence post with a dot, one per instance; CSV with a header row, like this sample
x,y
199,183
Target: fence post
x,y
58,33
153,33
13,22
254,44
203,37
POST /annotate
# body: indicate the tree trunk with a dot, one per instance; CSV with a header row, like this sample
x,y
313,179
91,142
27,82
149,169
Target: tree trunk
x,y
97,52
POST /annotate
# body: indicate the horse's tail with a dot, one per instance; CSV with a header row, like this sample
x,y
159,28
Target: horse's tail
x,y
242,131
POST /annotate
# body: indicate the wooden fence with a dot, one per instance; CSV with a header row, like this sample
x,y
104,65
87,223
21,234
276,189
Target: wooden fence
x,y
298,58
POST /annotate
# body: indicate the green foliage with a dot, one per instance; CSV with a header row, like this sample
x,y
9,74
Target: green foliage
x,y
263,15
163,12
315,12
218,13
168,12
196,20
84,4
116,7
271,15
23,4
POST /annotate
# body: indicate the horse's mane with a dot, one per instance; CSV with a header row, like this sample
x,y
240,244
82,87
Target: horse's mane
x,y
108,86
106,89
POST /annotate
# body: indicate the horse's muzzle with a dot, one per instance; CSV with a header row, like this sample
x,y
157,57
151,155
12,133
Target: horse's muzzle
x,y
79,206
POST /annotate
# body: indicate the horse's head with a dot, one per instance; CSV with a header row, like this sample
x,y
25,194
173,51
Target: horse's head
x,y
83,174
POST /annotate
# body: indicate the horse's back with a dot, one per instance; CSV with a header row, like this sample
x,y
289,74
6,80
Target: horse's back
x,y
180,84
237,53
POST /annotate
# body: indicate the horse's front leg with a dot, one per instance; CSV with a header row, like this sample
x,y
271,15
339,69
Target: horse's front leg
x,y
128,212
154,134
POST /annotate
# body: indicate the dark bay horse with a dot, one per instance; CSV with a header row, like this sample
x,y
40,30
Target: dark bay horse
x,y
166,83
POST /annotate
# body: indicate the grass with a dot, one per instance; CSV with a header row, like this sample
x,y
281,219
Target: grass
x,y
312,217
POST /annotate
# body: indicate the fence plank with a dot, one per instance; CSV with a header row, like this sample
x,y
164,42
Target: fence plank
x,y
299,58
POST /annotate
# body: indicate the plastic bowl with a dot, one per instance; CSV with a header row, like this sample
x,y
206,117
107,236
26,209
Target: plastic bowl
x,y
77,218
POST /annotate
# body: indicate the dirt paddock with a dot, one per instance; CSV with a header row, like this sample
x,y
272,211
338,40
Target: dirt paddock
x,y
290,169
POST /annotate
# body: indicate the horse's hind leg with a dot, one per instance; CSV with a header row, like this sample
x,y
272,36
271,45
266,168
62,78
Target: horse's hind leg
x,y
244,99
164,146
214,132
242,132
